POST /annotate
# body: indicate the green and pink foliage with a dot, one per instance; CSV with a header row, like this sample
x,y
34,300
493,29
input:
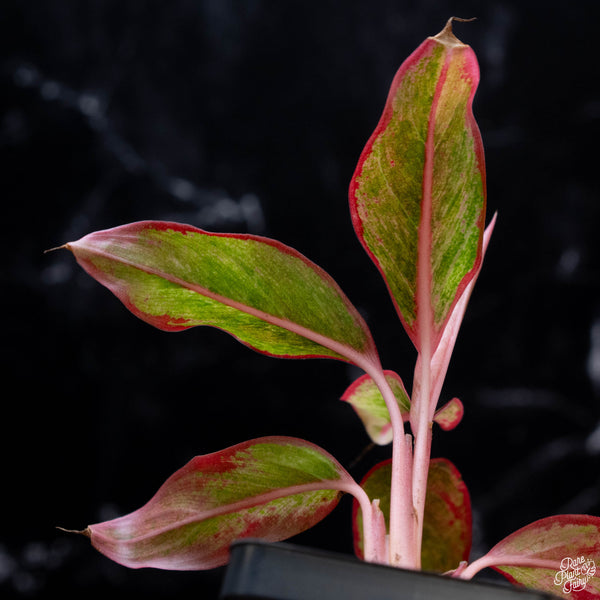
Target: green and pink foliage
x,y
272,488
447,517
367,400
417,197
418,205
556,554
262,292
450,415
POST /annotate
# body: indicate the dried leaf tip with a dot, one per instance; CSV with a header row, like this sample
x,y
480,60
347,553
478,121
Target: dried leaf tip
x,y
63,247
85,532
446,36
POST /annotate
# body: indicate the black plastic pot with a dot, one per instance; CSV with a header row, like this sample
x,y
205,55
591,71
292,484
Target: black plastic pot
x,y
262,571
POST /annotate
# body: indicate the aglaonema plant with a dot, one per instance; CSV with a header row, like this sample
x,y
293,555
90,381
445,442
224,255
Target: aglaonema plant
x,y
418,206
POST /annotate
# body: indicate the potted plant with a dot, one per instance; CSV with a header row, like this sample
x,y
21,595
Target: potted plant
x,y
418,206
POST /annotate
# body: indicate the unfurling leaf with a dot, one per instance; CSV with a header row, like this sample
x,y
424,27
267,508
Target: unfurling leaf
x,y
417,197
271,488
262,292
368,402
557,554
447,519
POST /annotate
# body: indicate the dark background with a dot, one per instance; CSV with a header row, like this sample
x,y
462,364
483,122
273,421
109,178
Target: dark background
x,y
250,116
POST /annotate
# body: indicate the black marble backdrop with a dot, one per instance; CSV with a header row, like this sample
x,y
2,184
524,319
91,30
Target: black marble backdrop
x,y
250,115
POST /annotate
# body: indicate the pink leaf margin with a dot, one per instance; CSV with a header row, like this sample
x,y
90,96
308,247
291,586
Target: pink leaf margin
x,y
148,537
539,551
410,63
168,324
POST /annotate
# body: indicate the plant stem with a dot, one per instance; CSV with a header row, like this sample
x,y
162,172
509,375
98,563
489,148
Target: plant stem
x,y
371,524
420,476
381,550
421,424
402,515
516,561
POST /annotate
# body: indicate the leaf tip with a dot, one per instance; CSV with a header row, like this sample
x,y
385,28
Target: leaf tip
x,y
63,247
446,36
87,532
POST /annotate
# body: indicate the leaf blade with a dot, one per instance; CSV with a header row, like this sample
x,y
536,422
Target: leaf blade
x,y
447,517
532,555
267,295
450,415
368,402
441,357
419,222
272,488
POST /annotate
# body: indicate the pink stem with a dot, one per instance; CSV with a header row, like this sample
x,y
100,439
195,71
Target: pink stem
x,y
371,524
421,419
379,538
457,572
402,523
515,561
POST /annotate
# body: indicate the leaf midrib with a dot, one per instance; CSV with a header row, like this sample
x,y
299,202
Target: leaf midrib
x,y
246,503
339,348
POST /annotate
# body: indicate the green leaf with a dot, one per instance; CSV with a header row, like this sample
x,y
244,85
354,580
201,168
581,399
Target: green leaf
x,y
417,197
265,294
368,402
271,488
366,399
447,518
450,415
441,357
557,554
